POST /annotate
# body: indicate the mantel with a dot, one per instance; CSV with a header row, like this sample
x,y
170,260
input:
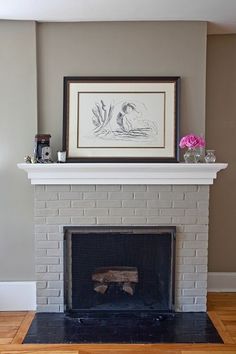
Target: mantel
x,y
122,173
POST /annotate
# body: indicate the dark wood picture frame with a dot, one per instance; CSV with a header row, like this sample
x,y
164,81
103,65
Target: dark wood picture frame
x,y
144,112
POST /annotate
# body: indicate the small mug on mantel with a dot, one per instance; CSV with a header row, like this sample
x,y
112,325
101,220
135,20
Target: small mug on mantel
x,y
61,156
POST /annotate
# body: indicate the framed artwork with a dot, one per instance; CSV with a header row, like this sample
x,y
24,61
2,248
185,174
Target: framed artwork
x,y
121,119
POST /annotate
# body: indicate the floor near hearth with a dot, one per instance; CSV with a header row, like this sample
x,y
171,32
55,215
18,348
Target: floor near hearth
x,y
14,326
221,308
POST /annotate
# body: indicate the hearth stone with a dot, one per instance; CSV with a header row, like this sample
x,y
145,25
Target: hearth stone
x,y
167,328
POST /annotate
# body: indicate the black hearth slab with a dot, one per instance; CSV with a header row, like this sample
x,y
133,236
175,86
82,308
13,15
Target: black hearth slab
x,y
49,328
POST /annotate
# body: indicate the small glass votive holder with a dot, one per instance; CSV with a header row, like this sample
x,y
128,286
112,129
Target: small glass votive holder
x,y
210,156
61,156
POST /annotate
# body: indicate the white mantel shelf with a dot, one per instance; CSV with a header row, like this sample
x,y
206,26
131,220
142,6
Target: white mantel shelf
x,y
122,173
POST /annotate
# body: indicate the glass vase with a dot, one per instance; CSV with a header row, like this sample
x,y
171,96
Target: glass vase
x,y
210,156
192,156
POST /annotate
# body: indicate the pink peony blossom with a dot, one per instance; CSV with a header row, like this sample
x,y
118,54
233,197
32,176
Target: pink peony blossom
x,y
192,141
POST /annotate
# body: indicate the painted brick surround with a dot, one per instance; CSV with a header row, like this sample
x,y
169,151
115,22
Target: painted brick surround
x,y
185,206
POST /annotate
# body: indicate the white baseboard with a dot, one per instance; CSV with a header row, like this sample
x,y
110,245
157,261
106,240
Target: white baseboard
x,y
18,296
221,281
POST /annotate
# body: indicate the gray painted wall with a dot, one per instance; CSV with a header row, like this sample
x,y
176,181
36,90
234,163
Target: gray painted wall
x,y
18,124
121,48
92,49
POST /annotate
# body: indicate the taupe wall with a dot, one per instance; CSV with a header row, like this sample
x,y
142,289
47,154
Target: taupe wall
x,y
135,48
221,133
18,124
121,48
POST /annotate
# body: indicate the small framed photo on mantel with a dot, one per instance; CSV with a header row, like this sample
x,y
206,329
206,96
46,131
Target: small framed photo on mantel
x,y
121,119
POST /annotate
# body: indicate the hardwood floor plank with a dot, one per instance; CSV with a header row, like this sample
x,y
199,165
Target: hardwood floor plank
x,y
227,318
221,294
207,352
226,337
131,351
41,352
104,348
145,349
13,313
231,330
8,333
229,323
222,308
11,322
5,340
23,329
165,351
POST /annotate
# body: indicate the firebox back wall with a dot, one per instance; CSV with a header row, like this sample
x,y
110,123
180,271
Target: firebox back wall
x,y
183,206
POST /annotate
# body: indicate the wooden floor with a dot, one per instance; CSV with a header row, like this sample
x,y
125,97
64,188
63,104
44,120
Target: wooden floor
x,y
221,309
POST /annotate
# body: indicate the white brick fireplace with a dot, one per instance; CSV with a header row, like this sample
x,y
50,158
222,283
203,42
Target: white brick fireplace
x,y
120,194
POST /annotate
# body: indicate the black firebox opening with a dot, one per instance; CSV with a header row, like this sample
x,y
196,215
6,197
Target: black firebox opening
x,y
119,269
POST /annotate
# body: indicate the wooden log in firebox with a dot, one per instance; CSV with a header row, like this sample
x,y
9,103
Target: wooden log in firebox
x,y
126,277
115,275
129,288
100,287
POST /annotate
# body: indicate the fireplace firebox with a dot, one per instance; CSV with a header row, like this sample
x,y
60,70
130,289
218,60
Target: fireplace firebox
x,y
119,269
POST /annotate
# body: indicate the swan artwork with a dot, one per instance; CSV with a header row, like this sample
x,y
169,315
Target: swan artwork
x,y
131,121
125,120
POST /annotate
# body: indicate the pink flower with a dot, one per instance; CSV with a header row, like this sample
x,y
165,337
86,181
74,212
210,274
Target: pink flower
x,y
192,141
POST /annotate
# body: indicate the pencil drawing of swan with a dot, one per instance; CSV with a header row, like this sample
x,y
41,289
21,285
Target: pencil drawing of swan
x,y
128,122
